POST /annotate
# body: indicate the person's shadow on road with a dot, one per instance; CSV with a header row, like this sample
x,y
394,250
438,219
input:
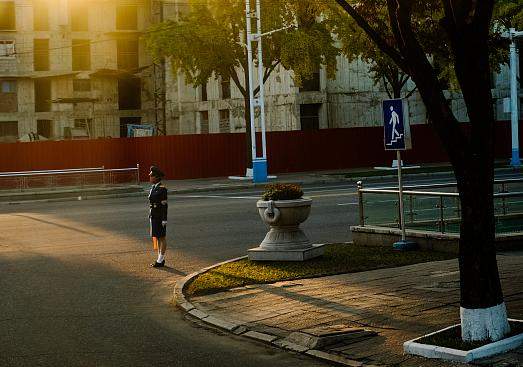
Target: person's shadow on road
x,y
172,271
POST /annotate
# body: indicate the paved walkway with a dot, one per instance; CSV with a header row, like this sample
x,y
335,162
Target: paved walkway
x,y
399,304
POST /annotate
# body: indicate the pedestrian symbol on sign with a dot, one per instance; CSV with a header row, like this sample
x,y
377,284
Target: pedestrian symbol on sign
x,y
395,121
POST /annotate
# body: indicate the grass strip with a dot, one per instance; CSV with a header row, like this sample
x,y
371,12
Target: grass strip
x,y
338,259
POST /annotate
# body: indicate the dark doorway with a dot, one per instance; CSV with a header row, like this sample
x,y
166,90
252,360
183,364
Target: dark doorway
x,y
310,116
130,94
124,121
44,128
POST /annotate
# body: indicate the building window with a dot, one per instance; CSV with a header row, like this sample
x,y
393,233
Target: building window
x,y
8,131
203,93
81,85
310,116
126,18
8,86
225,122
312,84
44,128
7,48
130,94
41,54
40,16
42,95
204,122
127,54
226,89
79,17
81,55
7,16
8,96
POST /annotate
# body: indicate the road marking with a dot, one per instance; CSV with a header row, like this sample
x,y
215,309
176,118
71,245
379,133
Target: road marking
x,y
217,197
329,195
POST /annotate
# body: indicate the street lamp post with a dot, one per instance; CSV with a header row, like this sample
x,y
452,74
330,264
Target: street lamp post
x,y
259,164
514,96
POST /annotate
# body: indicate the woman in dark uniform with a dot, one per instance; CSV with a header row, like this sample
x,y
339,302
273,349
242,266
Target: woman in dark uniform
x,y
158,215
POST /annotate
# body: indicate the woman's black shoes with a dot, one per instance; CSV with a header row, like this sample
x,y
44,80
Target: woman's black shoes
x,y
156,264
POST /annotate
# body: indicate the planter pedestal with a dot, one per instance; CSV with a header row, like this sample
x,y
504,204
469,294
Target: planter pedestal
x,y
285,241
260,254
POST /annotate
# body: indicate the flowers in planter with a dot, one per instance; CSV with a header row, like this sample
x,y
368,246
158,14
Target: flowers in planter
x,y
277,192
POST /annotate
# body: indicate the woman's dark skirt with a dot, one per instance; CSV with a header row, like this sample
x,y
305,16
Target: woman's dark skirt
x,y
157,230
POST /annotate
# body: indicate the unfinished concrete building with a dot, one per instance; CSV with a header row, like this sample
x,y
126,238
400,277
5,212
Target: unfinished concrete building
x,y
351,99
76,68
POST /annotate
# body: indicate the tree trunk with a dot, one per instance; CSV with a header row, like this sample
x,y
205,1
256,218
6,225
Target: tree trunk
x,y
467,24
483,312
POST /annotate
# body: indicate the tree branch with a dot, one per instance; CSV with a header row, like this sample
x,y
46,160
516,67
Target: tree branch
x,y
386,86
374,35
238,84
409,94
267,73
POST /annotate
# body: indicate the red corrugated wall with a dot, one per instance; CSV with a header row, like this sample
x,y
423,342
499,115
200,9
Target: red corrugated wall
x,y
216,155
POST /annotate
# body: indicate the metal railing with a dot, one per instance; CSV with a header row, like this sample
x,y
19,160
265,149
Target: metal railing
x,y
436,211
78,177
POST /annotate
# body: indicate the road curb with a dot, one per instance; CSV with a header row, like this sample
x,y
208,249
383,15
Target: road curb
x,y
76,198
321,180
237,328
244,186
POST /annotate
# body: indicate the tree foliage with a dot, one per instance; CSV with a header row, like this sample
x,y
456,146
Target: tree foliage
x,y
426,15
209,40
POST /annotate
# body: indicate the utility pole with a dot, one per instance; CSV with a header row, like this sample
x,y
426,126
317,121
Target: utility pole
x,y
514,95
259,164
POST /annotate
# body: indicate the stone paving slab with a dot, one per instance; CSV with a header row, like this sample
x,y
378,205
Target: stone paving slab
x,y
398,303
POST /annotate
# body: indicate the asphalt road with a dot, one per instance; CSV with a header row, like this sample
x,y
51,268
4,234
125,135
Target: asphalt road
x,y
76,289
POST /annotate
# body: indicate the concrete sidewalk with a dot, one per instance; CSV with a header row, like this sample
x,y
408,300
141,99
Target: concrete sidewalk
x,y
399,304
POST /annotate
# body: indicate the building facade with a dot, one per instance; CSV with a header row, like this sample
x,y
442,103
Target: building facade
x,y
76,68
80,69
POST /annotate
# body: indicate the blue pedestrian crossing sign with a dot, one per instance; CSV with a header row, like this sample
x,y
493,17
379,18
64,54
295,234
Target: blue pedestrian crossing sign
x,y
396,124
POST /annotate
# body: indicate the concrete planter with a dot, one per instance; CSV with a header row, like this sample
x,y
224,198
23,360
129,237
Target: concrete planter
x,y
285,241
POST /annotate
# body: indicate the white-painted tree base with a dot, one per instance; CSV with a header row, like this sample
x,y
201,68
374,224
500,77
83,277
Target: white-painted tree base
x,y
434,351
484,323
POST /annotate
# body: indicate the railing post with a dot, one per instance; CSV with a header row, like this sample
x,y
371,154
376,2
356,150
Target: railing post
x,y
411,209
441,215
360,203
503,200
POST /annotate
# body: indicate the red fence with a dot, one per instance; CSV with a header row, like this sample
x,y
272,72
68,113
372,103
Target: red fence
x,y
215,155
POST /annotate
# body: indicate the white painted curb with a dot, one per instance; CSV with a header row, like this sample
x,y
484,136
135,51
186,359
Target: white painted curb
x,y
433,351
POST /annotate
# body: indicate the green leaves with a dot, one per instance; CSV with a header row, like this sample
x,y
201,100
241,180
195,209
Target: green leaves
x,y
282,192
208,41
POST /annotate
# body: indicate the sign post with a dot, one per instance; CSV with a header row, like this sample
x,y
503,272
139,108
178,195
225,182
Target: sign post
x,y
397,137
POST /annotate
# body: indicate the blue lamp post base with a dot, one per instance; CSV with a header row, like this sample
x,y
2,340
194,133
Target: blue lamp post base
x,y
259,168
515,161
405,245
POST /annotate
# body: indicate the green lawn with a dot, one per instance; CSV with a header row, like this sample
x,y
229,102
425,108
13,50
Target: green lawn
x,y
338,259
